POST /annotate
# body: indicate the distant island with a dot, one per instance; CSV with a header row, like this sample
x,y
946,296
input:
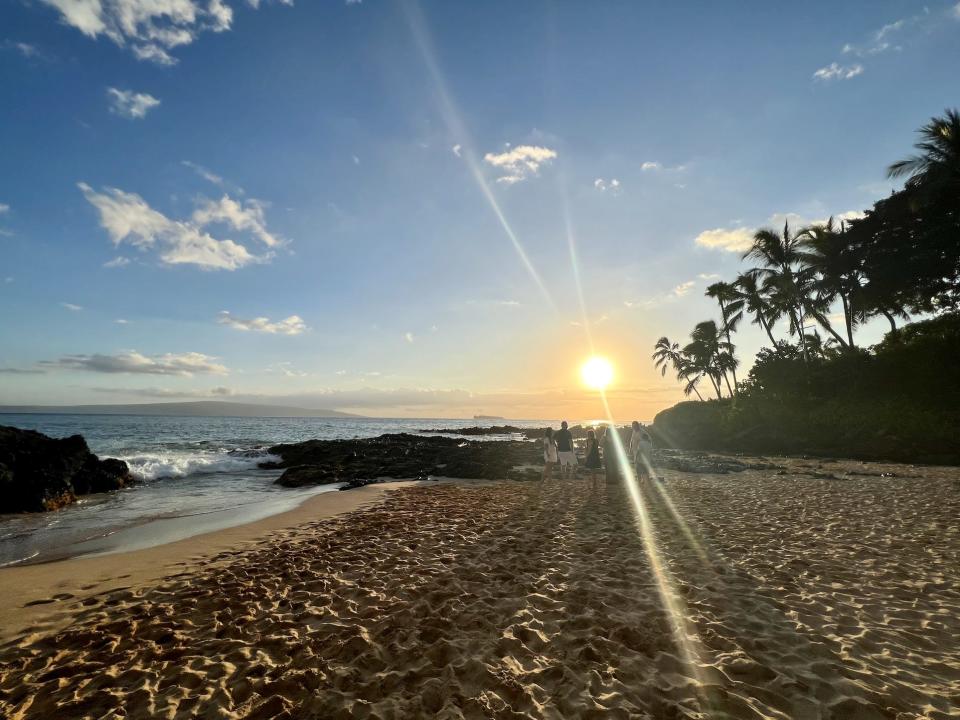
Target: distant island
x,y
488,417
203,408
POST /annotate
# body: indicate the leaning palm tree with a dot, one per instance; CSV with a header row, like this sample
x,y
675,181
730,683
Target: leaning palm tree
x,y
731,311
827,253
757,302
935,171
665,354
787,289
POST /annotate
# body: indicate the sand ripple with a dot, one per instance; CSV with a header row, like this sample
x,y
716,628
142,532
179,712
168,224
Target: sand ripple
x,y
808,597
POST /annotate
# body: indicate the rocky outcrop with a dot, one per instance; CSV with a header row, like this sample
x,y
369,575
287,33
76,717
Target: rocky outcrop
x,y
400,456
39,473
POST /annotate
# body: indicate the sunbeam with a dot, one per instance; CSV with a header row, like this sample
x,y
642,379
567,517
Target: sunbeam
x,y
575,263
683,631
457,129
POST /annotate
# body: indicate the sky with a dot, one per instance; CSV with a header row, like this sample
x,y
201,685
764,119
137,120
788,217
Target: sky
x,y
432,209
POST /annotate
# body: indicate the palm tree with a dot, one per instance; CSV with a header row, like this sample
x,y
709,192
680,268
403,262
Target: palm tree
x,y
666,353
756,301
827,253
731,311
935,172
706,351
786,288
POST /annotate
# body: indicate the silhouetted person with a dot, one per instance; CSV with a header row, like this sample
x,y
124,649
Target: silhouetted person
x,y
568,458
592,461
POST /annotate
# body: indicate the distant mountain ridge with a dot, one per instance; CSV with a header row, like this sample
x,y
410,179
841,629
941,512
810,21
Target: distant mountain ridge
x,y
202,408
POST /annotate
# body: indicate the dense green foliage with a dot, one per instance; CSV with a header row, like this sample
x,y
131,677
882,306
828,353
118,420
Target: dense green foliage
x,y
816,390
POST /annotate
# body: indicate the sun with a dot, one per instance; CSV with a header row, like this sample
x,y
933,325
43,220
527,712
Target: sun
x,y
597,372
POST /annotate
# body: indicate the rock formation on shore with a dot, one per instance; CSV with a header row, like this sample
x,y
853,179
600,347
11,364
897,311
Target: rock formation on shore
x,y
357,462
39,473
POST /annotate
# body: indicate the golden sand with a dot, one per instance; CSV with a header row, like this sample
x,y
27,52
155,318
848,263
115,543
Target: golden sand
x,y
801,597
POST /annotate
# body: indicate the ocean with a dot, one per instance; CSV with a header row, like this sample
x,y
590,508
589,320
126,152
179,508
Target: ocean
x,y
196,474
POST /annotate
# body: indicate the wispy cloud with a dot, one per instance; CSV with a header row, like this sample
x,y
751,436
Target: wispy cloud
x,y
152,29
155,392
128,218
520,163
457,149
203,172
129,104
133,362
613,185
293,325
246,215
408,336
4,208
118,261
651,165
71,307
835,71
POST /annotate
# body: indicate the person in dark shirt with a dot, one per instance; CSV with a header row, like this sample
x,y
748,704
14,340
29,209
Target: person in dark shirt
x,y
568,458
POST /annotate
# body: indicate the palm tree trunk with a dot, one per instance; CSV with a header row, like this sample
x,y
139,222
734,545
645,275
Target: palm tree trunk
x,y
893,323
766,326
726,379
847,318
716,386
829,328
726,327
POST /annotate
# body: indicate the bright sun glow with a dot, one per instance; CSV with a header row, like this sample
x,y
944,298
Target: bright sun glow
x,y
597,372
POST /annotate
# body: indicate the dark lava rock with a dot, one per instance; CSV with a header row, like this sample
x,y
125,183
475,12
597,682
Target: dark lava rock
x,y
400,456
40,473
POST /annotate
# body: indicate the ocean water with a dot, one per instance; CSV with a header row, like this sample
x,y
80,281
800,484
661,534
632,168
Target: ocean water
x,y
196,474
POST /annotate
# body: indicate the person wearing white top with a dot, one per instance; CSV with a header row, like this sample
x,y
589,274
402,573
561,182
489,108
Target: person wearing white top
x,y
640,449
550,456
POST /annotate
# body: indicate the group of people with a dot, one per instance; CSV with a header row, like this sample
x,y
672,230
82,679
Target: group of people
x,y
560,450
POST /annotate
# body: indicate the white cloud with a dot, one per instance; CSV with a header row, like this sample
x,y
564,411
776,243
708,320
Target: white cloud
x,y
740,239
834,71
408,337
708,276
122,321
72,307
293,325
133,362
733,240
247,215
613,185
4,208
651,165
520,162
956,11
128,218
203,172
129,104
118,261
150,28
456,149
684,288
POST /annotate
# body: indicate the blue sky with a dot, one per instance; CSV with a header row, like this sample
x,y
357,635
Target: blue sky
x,y
298,202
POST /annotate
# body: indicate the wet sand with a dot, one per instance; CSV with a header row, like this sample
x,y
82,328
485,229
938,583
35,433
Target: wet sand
x,y
818,593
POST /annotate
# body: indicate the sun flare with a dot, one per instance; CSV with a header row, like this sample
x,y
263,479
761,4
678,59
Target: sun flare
x,y
597,373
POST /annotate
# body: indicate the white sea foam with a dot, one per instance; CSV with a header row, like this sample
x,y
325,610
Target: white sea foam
x,y
171,464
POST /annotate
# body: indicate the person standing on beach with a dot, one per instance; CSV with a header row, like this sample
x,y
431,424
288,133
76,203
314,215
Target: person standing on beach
x,y
549,454
592,462
639,451
568,458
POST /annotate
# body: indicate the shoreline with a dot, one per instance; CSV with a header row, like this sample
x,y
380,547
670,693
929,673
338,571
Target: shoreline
x,y
44,595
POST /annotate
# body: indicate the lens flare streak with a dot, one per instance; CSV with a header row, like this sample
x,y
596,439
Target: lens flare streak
x,y
457,128
684,633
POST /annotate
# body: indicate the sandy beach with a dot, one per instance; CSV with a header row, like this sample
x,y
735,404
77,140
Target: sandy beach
x,y
825,591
